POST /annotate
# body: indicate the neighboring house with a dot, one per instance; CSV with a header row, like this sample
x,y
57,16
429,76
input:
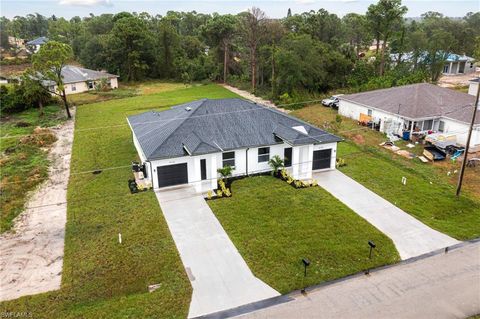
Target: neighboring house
x,y
454,63
373,46
412,108
458,64
78,80
188,143
473,86
34,45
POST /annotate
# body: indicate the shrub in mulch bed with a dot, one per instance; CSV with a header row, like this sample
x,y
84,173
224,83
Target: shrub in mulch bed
x,y
283,175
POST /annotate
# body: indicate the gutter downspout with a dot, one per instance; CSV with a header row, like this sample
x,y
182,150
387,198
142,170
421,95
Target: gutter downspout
x,y
151,172
246,161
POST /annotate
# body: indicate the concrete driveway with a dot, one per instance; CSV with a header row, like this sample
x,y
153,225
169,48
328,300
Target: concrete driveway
x,y
410,236
219,276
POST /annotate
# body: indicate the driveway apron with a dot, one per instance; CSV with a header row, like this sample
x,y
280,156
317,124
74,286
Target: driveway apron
x,y
219,276
410,236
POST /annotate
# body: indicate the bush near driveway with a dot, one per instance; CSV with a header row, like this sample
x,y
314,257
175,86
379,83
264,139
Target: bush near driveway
x,y
102,278
274,226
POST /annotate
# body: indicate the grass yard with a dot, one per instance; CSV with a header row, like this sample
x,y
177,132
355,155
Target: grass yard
x,y
429,194
124,91
24,163
274,226
101,278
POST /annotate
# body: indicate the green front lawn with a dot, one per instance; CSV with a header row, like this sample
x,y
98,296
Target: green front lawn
x,y
102,278
274,226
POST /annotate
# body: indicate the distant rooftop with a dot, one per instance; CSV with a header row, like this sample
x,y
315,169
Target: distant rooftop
x,y
74,74
38,41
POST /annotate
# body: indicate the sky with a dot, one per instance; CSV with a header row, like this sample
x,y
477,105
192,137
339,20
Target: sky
x,y
273,9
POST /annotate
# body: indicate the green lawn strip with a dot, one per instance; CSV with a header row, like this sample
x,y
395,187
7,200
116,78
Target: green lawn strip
x,y
274,226
102,278
427,195
23,165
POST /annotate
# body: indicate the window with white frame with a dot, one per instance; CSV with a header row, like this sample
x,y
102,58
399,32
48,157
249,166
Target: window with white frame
x,y
228,159
370,112
74,87
441,126
263,154
90,85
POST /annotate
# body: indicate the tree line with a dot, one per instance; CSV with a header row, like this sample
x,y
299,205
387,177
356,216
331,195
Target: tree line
x,y
299,54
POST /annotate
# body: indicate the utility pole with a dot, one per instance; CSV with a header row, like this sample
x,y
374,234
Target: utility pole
x,y
462,170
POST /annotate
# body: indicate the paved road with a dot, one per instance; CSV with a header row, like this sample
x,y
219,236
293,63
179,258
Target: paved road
x,y
411,237
219,276
441,286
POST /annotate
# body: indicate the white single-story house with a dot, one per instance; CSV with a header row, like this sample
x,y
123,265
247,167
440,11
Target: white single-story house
x,y
420,107
34,45
458,64
454,63
473,86
188,143
78,80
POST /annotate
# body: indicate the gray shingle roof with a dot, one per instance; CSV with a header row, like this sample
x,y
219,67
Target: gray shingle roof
x,y
74,74
207,126
38,41
419,101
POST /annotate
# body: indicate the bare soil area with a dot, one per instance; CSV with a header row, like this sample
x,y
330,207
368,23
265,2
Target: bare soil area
x,y
457,80
256,99
31,256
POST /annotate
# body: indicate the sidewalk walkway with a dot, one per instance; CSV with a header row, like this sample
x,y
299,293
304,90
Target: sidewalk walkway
x,y
440,286
219,276
410,236
254,98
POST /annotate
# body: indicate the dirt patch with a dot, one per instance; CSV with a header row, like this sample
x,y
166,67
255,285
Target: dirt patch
x,y
460,80
253,98
32,253
358,139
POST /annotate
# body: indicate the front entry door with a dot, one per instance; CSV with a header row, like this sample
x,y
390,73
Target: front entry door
x,y
203,169
287,157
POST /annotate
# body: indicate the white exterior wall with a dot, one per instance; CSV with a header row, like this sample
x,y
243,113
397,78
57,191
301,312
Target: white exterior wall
x,y
114,83
473,88
82,86
461,131
353,111
301,166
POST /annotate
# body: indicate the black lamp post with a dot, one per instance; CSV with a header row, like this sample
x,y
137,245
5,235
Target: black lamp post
x,y
372,246
306,263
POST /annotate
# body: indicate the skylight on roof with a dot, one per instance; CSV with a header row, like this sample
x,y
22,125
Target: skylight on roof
x,y
300,129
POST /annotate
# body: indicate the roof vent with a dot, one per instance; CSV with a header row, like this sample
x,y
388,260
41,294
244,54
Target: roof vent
x,y
188,109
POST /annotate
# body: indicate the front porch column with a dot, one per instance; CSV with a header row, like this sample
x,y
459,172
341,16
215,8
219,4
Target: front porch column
x,y
213,172
295,162
411,129
197,178
450,68
308,162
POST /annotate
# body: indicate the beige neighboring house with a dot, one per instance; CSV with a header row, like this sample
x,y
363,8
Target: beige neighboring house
x,y
78,80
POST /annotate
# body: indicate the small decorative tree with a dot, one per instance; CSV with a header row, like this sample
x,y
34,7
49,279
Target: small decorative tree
x,y
225,171
275,163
